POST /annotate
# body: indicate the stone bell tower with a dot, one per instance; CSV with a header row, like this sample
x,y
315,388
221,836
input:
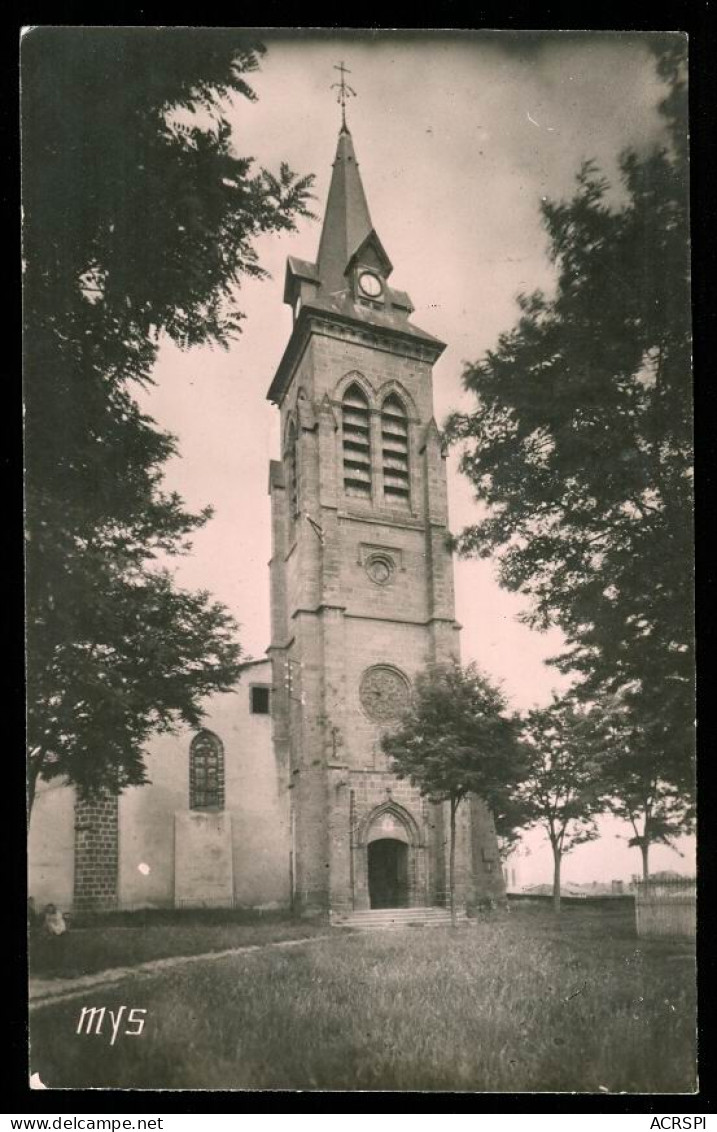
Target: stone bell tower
x,y
361,579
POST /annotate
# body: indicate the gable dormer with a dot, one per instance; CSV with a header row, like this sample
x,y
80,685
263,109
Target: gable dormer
x,y
368,270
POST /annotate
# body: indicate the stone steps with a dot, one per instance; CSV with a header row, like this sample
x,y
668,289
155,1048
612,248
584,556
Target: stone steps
x,y
374,919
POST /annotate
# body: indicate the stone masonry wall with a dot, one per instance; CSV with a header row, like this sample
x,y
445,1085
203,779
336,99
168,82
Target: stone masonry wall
x,y
332,621
96,854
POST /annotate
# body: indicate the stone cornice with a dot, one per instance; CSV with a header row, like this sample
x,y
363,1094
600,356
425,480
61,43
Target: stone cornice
x,y
405,523
324,607
328,607
388,339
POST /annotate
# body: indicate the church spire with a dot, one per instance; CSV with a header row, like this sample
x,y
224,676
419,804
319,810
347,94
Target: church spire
x,y
347,221
349,280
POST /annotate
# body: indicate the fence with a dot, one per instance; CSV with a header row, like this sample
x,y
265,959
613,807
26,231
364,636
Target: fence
x,y
666,907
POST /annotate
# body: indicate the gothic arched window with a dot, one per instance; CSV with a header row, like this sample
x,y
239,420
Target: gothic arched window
x,y
206,772
356,423
394,445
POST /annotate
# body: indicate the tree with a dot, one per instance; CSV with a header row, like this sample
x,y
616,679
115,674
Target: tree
x,y
581,442
562,790
510,817
640,789
457,739
139,222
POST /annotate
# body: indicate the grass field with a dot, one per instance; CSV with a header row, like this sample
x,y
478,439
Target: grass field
x,y
515,1002
126,939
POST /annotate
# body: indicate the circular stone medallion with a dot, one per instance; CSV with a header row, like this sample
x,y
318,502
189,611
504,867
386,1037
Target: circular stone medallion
x,y
379,568
384,693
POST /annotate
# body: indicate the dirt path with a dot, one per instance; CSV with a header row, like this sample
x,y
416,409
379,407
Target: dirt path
x,y
47,992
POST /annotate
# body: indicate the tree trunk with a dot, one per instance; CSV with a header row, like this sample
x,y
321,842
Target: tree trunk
x,y
557,860
33,773
645,851
452,863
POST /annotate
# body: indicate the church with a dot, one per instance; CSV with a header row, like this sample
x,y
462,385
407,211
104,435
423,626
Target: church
x,y
285,800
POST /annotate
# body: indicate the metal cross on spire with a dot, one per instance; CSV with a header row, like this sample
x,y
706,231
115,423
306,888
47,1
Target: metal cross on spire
x,y
345,91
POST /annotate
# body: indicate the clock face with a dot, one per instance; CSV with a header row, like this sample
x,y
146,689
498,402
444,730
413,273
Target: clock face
x,y
384,693
370,284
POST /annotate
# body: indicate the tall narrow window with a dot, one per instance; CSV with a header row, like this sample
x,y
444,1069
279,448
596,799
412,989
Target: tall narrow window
x,y
357,443
260,699
292,467
206,772
394,444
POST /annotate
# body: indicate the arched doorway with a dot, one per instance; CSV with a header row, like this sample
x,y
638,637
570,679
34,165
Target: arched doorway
x,y
389,867
388,873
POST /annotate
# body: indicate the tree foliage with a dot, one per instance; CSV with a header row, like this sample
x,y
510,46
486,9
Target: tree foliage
x,y
580,446
562,791
457,739
658,805
139,221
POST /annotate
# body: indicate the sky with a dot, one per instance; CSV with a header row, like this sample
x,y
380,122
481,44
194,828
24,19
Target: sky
x,y
458,137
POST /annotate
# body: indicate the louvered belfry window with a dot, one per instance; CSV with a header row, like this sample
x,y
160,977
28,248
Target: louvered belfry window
x,y
394,444
357,443
206,772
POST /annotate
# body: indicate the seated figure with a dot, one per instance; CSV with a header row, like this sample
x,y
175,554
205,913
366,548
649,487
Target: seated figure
x,y
53,922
